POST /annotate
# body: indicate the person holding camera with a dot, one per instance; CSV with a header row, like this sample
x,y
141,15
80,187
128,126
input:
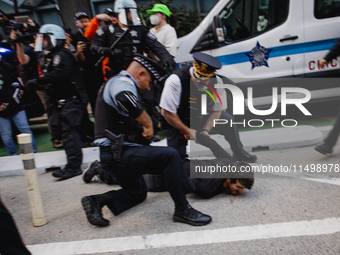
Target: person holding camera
x,y
11,109
92,74
32,67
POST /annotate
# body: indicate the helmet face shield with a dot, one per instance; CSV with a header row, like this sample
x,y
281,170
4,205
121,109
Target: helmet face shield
x,y
129,17
45,42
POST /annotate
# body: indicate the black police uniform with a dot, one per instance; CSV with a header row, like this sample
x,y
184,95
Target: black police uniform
x,y
188,116
137,39
62,77
117,111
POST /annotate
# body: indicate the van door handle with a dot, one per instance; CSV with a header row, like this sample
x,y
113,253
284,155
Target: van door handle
x,y
293,37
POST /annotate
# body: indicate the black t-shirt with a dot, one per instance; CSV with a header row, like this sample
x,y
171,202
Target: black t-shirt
x,y
7,77
31,68
92,74
205,187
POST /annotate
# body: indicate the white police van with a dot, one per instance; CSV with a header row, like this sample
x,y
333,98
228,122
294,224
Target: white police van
x,y
259,41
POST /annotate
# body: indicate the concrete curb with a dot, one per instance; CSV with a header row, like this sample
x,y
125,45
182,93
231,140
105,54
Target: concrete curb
x,y
267,139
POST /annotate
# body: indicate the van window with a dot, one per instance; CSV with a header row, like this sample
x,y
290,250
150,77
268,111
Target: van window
x,y
245,18
324,9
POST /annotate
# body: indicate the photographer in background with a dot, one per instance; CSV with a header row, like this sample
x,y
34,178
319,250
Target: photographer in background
x,y
32,69
10,108
93,76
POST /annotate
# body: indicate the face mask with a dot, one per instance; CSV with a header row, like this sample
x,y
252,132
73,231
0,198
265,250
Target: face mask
x,y
261,18
154,19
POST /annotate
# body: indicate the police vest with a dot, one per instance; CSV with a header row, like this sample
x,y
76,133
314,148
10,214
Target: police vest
x,y
107,117
123,52
190,101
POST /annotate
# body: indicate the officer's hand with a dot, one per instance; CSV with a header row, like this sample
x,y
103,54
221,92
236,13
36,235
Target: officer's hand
x,y
323,63
205,133
148,132
31,84
3,107
106,52
191,135
170,63
21,93
104,17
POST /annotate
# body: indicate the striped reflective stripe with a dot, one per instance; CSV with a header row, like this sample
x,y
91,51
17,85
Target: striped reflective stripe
x,y
280,51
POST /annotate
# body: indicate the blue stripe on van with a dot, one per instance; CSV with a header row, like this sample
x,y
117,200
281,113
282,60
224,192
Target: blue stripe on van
x,y
281,51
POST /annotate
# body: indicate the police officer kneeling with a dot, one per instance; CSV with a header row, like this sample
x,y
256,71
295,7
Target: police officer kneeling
x,y
120,111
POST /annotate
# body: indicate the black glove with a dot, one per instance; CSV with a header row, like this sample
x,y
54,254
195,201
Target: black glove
x,y
170,63
31,84
106,52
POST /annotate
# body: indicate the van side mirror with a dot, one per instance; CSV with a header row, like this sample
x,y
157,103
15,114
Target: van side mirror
x,y
212,38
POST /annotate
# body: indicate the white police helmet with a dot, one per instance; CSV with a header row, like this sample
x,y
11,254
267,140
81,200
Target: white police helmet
x,y
127,12
54,36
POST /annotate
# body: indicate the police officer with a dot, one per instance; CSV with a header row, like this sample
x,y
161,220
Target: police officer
x,y
137,39
62,80
178,104
120,110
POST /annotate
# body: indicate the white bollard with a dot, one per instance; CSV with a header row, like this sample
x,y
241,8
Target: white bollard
x,y
31,176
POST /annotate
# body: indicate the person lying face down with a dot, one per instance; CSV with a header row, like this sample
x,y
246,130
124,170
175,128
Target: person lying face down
x,y
205,187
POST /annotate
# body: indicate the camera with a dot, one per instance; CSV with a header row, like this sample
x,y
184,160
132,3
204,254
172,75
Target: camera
x,y
23,30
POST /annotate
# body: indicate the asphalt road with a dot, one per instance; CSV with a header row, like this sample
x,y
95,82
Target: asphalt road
x,y
296,213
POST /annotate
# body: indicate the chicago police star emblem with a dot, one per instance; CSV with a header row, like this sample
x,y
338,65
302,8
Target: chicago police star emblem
x,y
258,56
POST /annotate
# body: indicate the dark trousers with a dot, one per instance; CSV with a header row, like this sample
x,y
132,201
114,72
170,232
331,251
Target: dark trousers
x,y
155,183
334,134
10,240
70,116
230,134
139,160
53,120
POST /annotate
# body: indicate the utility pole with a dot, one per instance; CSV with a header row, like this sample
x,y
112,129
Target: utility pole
x,y
16,9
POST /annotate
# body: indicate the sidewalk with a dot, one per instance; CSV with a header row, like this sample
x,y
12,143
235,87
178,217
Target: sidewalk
x,y
266,139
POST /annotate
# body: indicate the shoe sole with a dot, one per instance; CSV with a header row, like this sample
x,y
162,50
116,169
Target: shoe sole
x,y
86,179
177,219
323,152
68,177
88,208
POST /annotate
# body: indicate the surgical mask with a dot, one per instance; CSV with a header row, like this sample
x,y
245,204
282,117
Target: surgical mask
x,y
154,19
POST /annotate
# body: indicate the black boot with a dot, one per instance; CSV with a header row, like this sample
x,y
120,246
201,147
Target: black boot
x,y
90,171
187,214
242,155
67,173
324,149
93,211
57,144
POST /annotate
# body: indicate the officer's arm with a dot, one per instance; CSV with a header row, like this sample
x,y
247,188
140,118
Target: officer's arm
x,y
209,124
174,120
62,68
158,49
131,105
334,52
99,41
